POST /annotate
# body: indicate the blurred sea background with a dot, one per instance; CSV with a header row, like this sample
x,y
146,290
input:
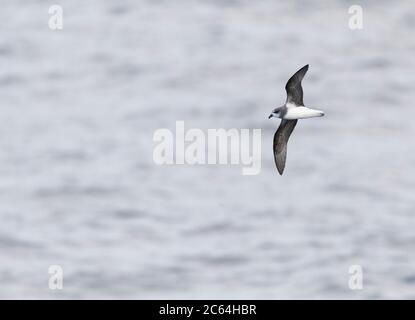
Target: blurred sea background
x,y
79,188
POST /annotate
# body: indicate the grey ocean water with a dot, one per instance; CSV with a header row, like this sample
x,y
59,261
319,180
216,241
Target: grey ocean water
x,y
79,188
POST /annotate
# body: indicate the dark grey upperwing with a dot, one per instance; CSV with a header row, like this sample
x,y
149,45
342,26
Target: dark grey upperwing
x,y
280,143
294,89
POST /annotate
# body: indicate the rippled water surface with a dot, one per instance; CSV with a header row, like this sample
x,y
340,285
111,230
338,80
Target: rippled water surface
x,y
79,188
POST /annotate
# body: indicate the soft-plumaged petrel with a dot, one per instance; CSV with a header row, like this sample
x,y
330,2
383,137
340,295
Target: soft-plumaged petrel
x,y
289,113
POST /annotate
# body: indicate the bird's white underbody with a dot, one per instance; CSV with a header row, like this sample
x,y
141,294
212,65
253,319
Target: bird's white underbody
x,y
302,113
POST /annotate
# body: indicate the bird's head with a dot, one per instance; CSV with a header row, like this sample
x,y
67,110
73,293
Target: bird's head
x,y
276,113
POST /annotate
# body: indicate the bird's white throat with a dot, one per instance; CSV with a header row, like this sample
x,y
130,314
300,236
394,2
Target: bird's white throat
x,y
302,113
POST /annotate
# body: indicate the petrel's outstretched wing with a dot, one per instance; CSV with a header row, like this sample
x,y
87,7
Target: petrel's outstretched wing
x,y
280,143
293,87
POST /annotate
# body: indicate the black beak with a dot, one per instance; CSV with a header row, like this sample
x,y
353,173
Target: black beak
x,y
270,116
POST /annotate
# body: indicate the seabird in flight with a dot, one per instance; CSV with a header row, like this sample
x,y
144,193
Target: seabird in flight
x,y
289,113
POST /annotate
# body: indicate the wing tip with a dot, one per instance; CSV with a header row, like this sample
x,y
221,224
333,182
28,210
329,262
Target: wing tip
x,y
280,164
